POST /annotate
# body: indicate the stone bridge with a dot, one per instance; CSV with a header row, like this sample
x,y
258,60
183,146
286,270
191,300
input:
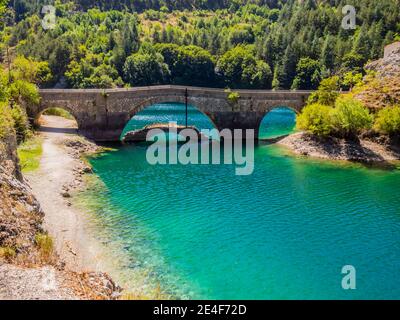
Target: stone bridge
x,y
103,114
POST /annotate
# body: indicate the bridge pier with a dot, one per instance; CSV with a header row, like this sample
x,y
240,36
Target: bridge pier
x,y
238,120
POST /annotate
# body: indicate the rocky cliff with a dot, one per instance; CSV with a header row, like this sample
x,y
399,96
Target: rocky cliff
x,y
383,89
20,213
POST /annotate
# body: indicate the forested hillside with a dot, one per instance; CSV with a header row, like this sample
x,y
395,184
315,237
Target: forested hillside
x,y
227,43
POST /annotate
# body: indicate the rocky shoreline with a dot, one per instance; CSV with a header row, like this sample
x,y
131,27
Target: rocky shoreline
x,y
366,150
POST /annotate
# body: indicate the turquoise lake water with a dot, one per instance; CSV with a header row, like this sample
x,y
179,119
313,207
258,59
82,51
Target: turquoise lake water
x,y
284,232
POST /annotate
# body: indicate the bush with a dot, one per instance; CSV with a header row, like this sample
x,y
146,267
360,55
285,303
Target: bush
x,y
21,123
388,121
315,119
7,253
233,97
327,93
350,117
6,120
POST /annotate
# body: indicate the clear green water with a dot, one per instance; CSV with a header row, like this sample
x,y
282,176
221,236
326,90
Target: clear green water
x,y
284,232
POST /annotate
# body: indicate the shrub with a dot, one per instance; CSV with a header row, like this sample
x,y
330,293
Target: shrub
x,y
350,117
388,121
24,92
327,93
7,253
315,119
233,97
6,120
21,123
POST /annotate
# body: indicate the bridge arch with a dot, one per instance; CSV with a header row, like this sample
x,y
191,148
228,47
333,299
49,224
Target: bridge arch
x,y
278,121
152,103
42,110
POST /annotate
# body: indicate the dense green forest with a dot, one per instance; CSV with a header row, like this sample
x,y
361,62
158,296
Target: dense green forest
x,y
279,44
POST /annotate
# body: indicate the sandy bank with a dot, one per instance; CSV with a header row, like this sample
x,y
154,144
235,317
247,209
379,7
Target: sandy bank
x,y
51,185
60,174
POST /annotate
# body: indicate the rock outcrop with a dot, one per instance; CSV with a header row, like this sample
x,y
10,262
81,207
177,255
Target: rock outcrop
x,y
367,151
21,216
389,66
383,89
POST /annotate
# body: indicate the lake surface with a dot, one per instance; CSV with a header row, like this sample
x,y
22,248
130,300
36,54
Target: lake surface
x,y
284,232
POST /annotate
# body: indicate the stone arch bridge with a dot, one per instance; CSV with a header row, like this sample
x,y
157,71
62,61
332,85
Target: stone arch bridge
x,y
103,114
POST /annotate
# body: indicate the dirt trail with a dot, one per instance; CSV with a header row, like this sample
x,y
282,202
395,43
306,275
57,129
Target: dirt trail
x,y
62,221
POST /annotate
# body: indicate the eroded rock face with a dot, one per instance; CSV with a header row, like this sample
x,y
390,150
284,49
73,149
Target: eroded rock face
x,y
389,66
384,89
9,162
21,216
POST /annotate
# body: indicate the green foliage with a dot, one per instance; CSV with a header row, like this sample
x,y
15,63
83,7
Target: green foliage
x,y
7,253
308,74
21,123
327,92
233,97
387,121
24,92
91,71
350,117
188,65
31,71
315,119
353,62
351,80
141,69
302,42
3,5
6,120
240,69
30,153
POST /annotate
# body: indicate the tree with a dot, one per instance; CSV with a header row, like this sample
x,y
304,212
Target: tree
x,y
351,79
352,62
31,71
327,92
143,69
240,69
308,74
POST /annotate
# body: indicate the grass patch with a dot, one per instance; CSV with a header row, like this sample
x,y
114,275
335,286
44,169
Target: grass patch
x,y
7,253
59,113
29,154
45,245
